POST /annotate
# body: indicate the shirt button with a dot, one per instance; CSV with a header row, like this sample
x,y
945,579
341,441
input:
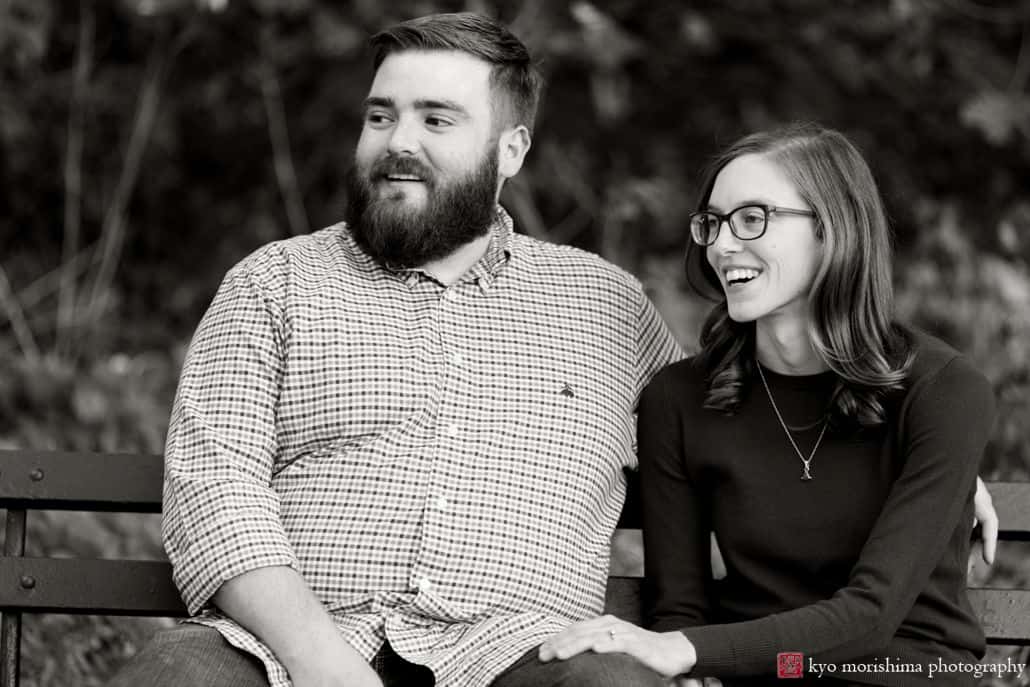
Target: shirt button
x,y
450,295
457,359
442,503
452,431
424,584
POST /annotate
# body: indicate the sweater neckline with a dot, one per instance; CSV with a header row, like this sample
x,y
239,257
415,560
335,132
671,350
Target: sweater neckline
x,y
818,380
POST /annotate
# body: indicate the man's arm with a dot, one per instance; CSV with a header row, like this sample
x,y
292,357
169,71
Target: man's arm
x,y
276,605
222,523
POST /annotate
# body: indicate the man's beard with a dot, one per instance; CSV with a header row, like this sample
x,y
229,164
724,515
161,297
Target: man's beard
x,y
402,237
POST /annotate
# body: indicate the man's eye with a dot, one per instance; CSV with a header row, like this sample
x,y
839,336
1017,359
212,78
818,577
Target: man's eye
x,y
377,118
437,122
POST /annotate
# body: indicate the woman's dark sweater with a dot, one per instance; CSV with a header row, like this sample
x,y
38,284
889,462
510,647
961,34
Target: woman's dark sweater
x,y
864,564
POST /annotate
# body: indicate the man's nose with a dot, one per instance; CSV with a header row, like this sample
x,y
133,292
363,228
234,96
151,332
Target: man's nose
x,y
404,137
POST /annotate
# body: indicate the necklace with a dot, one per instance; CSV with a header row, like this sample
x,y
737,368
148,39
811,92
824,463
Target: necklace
x,y
806,475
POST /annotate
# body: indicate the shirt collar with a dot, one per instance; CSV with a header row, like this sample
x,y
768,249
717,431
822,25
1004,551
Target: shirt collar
x,y
498,253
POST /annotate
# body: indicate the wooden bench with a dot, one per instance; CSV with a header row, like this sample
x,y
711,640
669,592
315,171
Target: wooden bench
x,y
32,480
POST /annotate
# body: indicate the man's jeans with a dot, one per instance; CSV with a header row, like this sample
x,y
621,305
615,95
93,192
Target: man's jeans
x,y
191,655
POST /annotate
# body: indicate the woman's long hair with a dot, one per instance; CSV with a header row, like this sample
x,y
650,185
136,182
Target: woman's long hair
x,y
851,297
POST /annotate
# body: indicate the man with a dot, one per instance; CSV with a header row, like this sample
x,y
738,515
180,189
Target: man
x,y
397,448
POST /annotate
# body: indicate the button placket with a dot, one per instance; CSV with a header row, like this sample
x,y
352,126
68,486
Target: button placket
x,y
431,570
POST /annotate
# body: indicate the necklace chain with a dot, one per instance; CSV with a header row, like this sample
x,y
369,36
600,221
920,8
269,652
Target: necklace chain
x,y
805,462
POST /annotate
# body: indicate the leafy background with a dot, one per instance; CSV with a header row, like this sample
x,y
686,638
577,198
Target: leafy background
x,y
147,145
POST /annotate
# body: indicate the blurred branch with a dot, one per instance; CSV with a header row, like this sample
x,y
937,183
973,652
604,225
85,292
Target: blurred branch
x,y
572,225
1022,71
572,176
999,15
44,286
572,179
524,208
112,236
16,315
531,25
73,174
279,134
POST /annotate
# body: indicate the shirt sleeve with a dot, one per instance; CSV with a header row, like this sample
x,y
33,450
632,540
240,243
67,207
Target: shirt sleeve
x,y
945,424
221,517
656,346
678,567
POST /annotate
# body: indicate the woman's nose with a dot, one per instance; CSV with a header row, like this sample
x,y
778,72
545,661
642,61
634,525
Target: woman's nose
x,y
726,241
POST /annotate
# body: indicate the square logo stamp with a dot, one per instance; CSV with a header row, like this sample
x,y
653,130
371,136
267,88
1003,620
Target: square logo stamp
x,y
790,665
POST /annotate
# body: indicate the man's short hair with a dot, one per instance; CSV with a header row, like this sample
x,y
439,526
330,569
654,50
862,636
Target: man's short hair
x,y
514,80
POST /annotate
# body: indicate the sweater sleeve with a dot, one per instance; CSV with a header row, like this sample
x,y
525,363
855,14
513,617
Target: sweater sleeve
x,y
944,425
677,566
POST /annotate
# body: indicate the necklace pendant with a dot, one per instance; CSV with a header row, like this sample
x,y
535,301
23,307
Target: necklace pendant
x,y
806,475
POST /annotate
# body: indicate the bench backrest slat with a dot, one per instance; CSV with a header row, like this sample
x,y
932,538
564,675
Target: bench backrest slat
x,y
1012,501
66,585
1004,614
81,481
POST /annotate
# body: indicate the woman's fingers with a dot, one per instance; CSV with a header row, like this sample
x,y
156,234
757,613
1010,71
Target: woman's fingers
x,y
987,516
598,634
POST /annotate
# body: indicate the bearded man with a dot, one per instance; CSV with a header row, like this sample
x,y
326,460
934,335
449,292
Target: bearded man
x,y
396,452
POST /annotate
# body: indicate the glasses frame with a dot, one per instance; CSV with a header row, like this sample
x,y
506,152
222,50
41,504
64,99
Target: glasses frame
x,y
725,218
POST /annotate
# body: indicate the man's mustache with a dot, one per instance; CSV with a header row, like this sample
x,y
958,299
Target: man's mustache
x,y
393,165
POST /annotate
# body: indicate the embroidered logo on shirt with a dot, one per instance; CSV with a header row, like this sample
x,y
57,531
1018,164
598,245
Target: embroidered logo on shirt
x,y
567,391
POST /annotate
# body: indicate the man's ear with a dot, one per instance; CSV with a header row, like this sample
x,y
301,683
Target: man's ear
x,y
512,146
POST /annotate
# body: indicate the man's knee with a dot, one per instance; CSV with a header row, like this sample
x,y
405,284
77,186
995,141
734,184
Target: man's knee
x,y
584,670
191,654
608,670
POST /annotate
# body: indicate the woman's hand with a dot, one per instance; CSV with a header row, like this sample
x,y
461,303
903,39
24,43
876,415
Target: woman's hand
x,y
987,517
667,653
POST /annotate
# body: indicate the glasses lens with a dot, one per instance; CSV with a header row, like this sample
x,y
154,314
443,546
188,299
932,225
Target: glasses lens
x,y
749,221
704,226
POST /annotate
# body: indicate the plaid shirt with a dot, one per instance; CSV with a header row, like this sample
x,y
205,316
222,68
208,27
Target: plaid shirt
x,y
443,465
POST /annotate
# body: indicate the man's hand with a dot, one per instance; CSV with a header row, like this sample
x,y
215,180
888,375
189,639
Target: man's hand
x,y
985,515
276,604
335,671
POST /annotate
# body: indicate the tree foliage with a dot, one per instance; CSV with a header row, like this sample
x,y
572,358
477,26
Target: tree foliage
x,y
147,145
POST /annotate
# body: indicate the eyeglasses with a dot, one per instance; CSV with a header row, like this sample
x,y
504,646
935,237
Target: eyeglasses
x,y
748,222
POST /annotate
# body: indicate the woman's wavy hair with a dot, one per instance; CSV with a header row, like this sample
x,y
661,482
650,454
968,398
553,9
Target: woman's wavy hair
x,y
851,298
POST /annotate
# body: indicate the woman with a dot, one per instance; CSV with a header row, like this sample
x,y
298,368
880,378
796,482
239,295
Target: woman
x,y
832,451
